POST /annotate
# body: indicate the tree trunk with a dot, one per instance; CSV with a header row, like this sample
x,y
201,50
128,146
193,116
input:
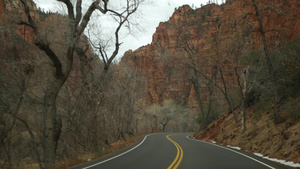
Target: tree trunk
x,y
164,126
244,101
209,104
52,122
51,126
198,96
243,90
211,91
226,96
270,66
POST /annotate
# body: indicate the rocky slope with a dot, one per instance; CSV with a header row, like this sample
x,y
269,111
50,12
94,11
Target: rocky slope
x,y
281,141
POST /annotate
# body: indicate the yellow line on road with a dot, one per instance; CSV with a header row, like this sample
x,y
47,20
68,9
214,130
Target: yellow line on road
x,y
179,154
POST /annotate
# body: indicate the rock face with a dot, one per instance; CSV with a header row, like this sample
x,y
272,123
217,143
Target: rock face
x,y
14,11
1,10
210,32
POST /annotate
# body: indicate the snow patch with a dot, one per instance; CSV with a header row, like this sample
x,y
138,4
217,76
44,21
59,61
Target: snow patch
x,y
212,141
237,148
287,163
258,154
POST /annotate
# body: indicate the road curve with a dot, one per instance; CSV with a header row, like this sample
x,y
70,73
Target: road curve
x,y
172,150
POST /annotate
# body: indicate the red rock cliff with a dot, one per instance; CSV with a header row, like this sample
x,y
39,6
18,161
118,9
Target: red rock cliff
x,y
207,29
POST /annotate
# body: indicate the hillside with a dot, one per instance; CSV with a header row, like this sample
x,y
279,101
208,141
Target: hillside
x,y
281,141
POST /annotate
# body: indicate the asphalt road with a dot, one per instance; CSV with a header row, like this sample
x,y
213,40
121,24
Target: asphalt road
x,y
172,150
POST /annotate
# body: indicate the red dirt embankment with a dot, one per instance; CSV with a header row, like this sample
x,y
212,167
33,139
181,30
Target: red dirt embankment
x,y
281,141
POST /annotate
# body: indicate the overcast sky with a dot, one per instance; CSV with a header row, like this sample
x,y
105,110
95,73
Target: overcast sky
x,y
151,14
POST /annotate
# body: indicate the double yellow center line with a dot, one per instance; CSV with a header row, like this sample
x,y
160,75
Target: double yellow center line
x,y
179,154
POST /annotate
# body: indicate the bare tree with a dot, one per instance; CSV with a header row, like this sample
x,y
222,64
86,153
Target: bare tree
x,y
169,116
62,67
126,90
268,59
198,77
10,117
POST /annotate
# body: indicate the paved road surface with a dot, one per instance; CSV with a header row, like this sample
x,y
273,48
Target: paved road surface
x,y
172,150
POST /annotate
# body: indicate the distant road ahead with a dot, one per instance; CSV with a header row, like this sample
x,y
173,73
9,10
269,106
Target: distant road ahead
x,y
171,151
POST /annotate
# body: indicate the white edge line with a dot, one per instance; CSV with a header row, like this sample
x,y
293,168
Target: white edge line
x,y
233,151
93,165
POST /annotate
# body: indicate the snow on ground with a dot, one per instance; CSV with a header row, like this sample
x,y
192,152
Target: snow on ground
x,y
258,154
287,163
212,141
237,148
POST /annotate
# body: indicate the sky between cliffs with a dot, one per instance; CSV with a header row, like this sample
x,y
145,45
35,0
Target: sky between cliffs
x,y
148,18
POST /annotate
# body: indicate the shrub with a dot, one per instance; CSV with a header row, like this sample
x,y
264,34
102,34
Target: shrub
x,y
292,107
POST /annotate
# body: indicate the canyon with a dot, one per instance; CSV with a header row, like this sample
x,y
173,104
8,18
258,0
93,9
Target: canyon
x,y
186,76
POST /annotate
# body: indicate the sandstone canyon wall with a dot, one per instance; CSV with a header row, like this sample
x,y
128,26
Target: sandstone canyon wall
x,y
212,32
